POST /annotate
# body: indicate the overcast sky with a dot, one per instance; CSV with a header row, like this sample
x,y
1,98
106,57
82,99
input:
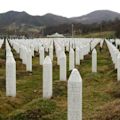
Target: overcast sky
x,y
67,8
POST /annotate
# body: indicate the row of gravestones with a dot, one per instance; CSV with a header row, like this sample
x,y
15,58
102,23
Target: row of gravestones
x,y
115,55
74,81
74,56
115,41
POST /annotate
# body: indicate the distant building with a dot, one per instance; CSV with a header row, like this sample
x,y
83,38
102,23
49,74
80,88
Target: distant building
x,y
56,35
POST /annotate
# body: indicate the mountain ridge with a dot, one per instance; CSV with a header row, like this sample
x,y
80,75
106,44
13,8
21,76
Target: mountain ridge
x,y
24,22
97,16
50,19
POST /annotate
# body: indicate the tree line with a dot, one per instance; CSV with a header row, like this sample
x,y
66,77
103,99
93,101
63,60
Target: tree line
x,y
67,29
79,28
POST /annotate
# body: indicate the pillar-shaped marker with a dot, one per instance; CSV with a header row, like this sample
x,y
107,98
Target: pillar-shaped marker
x,y
67,47
63,66
81,53
71,59
24,57
47,78
41,55
75,96
94,61
116,55
51,52
32,49
58,55
10,77
29,61
77,56
118,67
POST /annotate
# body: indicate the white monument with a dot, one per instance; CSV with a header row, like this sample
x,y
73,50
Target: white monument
x,y
10,76
94,60
51,52
41,55
63,66
77,56
71,59
47,78
118,67
29,61
75,96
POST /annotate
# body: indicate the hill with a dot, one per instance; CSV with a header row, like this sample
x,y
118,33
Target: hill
x,y
13,22
97,17
20,18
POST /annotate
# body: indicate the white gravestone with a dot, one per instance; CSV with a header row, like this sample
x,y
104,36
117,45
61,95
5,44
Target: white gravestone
x,y
59,50
41,55
63,66
75,96
116,55
29,61
10,77
24,59
71,59
51,52
94,60
118,67
32,49
81,53
47,78
77,56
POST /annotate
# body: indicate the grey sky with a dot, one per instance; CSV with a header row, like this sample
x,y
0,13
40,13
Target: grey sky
x,y
67,8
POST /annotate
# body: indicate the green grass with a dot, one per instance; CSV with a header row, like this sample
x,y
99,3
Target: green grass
x,y
100,89
106,34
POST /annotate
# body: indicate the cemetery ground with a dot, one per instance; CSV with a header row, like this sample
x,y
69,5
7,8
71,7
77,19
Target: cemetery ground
x,y
101,91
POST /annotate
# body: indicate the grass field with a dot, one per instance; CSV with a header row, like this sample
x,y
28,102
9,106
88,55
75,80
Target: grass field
x,y
105,34
101,91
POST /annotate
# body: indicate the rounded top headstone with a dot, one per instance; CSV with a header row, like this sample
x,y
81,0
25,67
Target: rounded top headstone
x,y
75,76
